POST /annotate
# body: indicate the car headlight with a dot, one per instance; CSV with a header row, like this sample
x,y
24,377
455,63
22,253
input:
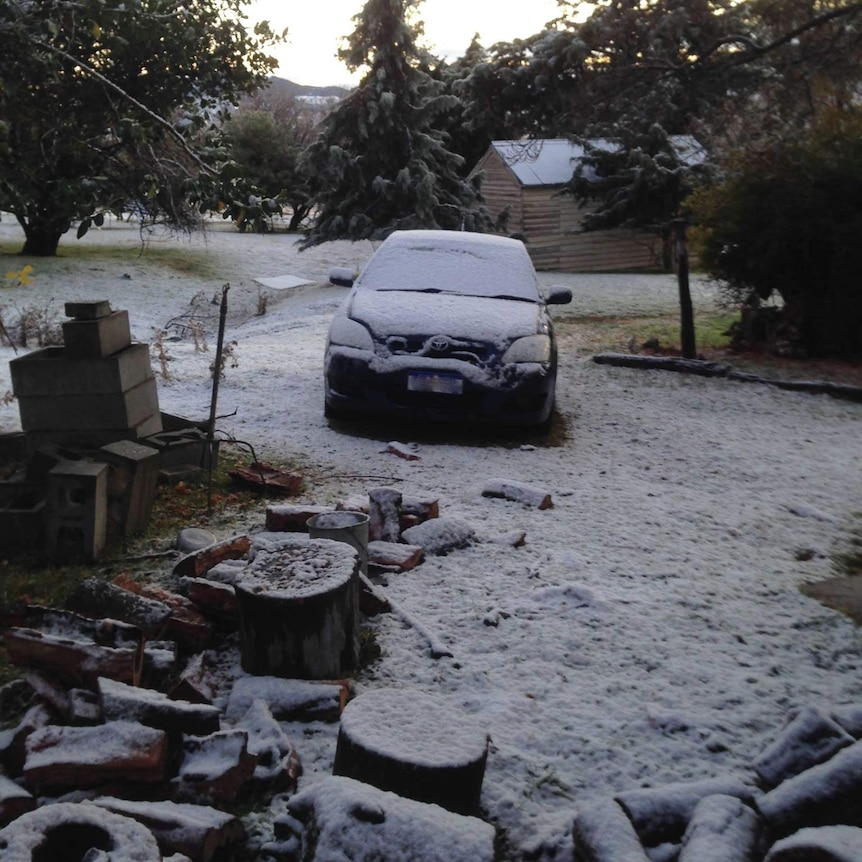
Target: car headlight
x,y
532,348
348,333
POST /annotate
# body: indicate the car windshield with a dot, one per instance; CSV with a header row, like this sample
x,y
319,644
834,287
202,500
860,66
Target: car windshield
x,y
452,262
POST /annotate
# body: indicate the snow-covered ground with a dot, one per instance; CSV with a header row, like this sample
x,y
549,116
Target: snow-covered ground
x,y
650,630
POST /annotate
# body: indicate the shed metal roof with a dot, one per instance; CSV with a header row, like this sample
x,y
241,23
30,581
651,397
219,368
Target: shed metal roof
x,y
552,161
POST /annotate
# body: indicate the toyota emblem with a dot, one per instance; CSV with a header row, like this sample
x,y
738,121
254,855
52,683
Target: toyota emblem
x,y
439,344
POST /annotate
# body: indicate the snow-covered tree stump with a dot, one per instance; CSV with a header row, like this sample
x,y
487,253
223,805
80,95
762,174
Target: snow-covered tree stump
x,y
298,609
414,745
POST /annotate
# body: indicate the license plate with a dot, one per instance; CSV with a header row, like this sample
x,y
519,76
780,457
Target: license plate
x,y
430,381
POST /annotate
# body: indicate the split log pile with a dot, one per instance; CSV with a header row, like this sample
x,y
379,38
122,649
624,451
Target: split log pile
x,y
801,801
131,710
128,708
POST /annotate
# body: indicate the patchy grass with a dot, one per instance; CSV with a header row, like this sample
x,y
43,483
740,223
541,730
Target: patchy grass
x,y
591,334
848,562
184,260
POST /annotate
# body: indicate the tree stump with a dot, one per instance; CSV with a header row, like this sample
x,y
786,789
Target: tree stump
x,y
414,745
298,609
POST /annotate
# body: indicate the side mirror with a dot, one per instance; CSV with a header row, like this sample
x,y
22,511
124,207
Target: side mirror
x,y
559,296
341,276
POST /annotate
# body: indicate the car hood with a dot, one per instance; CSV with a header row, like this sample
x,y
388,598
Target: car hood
x,y
397,312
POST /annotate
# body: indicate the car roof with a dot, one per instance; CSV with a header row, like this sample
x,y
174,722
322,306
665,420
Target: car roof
x,y
473,264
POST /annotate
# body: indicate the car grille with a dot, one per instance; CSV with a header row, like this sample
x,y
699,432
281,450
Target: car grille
x,y
440,347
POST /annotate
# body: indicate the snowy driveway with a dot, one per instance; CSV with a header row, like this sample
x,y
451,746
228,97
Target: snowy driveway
x,y
651,629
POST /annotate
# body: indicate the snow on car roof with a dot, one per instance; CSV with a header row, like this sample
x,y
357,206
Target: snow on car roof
x,y
472,264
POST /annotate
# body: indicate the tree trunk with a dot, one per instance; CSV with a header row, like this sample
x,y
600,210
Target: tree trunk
x,y
41,238
414,745
689,349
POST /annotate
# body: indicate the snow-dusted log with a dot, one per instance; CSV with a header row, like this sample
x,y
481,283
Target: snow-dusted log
x,y
603,833
415,745
14,800
95,598
63,758
77,830
338,818
299,609
823,844
663,363
825,795
704,368
214,768
198,831
440,535
384,512
395,554
198,563
722,829
661,814
849,716
154,709
811,737
75,649
518,492
287,699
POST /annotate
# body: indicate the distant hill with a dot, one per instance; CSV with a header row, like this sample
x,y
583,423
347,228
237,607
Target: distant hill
x,y
284,87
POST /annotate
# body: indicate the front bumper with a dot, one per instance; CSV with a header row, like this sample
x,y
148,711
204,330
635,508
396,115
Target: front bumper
x,y
517,395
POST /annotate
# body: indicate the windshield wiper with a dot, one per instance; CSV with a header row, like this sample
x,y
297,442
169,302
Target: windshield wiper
x,y
513,298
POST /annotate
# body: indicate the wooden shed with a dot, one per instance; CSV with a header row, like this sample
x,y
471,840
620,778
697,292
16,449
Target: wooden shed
x,y
527,177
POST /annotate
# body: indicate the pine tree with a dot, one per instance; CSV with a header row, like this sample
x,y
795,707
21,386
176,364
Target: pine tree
x,y
382,161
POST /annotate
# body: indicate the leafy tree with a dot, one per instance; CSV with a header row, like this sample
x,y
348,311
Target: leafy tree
x,y
785,223
381,162
267,150
637,72
103,102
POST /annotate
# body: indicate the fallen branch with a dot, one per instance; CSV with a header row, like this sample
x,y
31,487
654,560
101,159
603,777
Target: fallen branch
x,y
438,649
704,368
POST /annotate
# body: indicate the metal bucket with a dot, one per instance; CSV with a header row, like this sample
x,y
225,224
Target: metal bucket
x,y
348,527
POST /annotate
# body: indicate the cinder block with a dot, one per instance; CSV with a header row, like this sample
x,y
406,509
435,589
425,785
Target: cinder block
x,y
94,339
52,371
90,412
77,509
133,477
92,438
22,515
88,310
187,447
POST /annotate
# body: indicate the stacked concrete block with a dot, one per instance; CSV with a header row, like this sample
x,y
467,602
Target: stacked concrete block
x,y
22,515
97,389
77,495
133,474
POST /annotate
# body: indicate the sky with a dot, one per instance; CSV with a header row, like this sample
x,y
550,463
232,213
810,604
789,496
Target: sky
x,y
309,56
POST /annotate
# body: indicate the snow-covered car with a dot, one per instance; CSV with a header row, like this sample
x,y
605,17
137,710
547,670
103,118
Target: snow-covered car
x,y
445,325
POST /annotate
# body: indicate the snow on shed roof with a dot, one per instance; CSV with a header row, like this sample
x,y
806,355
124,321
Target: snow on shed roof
x,y
551,161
